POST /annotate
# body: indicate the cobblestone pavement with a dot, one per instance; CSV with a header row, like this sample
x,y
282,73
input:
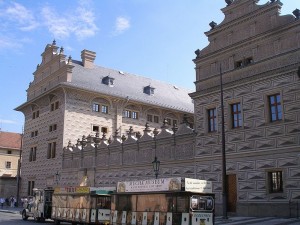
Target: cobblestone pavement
x,y
257,221
15,219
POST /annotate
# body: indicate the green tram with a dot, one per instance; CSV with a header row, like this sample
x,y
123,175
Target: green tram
x,y
163,201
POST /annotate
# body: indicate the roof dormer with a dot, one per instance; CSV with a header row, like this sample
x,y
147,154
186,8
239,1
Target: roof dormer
x,y
149,90
108,81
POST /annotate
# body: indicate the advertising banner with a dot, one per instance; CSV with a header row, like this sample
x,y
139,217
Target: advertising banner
x,y
199,186
77,190
161,184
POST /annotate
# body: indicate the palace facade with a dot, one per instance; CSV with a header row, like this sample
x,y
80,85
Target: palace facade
x,y
256,53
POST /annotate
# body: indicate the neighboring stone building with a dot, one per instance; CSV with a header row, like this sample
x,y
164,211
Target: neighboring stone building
x,y
68,98
258,52
10,147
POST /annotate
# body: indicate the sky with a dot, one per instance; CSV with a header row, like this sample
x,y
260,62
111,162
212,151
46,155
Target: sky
x,y
151,38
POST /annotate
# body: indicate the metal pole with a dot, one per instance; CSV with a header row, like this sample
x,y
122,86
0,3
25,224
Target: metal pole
x,y
19,171
224,176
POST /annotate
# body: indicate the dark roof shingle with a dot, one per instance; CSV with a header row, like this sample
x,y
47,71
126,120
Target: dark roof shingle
x,y
131,86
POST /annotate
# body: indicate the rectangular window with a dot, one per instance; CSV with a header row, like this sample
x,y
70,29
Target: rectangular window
x,y
30,188
135,115
212,120
239,64
275,107
127,114
32,154
275,182
236,115
104,109
104,130
149,118
52,127
54,106
95,128
7,165
51,152
9,152
34,133
156,119
96,107
130,114
35,114
248,61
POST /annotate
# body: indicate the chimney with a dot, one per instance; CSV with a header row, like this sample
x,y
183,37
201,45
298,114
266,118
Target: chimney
x,y
88,58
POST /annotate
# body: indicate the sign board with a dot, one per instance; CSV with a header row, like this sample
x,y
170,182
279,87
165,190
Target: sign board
x,y
198,186
102,189
160,184
81,189
202,218
72,190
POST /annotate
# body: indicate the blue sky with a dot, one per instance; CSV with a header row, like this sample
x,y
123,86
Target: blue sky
x,y
151,38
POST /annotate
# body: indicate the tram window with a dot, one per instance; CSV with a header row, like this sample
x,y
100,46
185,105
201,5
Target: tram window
x,y
124,203
201,203
182,204
152,203
103,202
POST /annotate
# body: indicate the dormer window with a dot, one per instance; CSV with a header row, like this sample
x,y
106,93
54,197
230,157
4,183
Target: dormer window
x,y
244,62
108,81
149,90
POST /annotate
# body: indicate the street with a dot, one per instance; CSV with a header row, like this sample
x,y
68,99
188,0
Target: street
x,y
9,218
13,218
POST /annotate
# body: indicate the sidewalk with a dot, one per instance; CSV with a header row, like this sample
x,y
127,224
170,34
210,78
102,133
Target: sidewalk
x,y
7,209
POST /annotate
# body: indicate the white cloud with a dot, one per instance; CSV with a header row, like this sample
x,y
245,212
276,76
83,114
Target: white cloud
x,y
22,16
8,43
8,121
60,27
122,24
81,23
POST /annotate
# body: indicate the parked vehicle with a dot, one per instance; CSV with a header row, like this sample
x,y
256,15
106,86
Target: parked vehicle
x,y
169,201
39,205
75,205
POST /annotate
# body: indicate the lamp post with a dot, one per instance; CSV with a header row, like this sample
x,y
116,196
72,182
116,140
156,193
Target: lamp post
x,y
156,164
19,171
57,177
224,176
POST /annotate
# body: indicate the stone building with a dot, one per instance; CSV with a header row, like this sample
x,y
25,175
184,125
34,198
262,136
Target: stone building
x,y
68,98
10,147
257,53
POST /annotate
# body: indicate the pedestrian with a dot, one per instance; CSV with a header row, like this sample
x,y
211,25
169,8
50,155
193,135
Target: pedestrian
x,y
11,201
2,200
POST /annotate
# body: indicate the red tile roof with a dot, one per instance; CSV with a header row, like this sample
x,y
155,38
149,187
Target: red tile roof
x,y
10,140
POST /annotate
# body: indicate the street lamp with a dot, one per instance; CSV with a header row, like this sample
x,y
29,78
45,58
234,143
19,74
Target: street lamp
x,y
156,164
57,177
19,170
